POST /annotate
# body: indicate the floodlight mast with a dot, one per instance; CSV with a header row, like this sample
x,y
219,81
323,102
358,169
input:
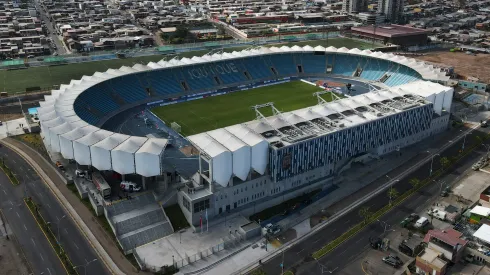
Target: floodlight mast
x,y
275,112
335,97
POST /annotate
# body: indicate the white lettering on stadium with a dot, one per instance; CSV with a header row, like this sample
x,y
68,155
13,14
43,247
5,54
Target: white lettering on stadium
x,y
211,70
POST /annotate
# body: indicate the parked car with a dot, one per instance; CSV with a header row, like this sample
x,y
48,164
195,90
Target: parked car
x,y
272,229
408,220
421,222
130,186
1,123
375,242
394,261
60,166
80,173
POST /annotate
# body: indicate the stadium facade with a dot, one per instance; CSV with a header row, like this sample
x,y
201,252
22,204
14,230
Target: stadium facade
x,y
264,161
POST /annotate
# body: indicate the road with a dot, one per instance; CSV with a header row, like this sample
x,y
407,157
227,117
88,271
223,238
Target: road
x,y
34,244
52,32
75,245
298,255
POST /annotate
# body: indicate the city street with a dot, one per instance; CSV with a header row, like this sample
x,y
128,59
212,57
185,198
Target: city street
x,y
75,245
52,32
36,247
297,256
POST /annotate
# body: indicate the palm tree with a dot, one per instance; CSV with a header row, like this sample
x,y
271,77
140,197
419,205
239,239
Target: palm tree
x,y
392,194
415,182
444,162
365,213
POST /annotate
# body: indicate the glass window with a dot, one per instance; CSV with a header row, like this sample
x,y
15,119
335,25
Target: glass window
x,y
201,206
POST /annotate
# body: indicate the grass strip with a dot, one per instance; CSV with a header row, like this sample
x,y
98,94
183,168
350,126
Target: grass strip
x,y
48,232
375,216
13,179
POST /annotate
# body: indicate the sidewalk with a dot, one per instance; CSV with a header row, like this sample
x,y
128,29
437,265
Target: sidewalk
x,y
96,235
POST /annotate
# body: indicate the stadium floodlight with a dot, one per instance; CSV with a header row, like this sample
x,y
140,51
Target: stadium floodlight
x,y
321,100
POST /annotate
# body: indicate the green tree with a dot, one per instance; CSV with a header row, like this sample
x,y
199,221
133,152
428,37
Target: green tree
x,y
444,162
392,194
415,182
365,213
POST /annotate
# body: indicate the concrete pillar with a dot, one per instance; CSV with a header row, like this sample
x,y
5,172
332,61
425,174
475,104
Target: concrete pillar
x,y
143,180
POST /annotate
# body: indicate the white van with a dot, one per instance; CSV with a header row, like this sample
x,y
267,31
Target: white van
x,y
423,221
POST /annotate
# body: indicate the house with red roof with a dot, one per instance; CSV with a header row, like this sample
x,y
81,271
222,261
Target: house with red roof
x,y
449,242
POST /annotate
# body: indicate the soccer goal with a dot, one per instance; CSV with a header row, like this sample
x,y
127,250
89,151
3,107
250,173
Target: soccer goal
x,y
175,126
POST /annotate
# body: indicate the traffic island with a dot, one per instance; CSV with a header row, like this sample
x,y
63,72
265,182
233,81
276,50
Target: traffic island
x,y
13,179
49,234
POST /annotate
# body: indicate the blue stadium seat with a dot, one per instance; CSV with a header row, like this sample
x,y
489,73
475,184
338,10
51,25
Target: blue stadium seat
x,y
257,68
284,64
345,64
164,82
314,64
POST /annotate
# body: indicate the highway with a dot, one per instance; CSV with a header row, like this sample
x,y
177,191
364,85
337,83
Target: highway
x,y
74,243
298,255
38,252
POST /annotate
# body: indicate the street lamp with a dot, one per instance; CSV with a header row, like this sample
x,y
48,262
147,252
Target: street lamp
x,y
180,233
464,141
282,263
324,269
85,266
385,226
441,182
432,162
391,185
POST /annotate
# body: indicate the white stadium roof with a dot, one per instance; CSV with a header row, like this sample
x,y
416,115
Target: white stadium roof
x,y
74,140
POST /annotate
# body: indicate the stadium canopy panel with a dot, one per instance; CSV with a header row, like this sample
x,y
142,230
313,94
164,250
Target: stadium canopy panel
x,y
101,151
66,119
82,146
66,140
220,159
259,146
123,156
239,149
148,158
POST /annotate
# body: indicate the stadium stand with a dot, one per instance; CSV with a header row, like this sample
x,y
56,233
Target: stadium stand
x,y
137,86
138,221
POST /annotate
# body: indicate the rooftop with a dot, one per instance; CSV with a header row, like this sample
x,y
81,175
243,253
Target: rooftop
x,y
449,236
390,30
432,257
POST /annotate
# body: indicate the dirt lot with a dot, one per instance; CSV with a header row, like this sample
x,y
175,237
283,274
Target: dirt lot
x,y
464,64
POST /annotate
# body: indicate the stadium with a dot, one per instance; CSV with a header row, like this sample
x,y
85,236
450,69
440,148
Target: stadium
x,y
207,132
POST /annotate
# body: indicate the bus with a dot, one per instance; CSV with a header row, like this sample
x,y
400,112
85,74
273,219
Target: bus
x,y
102,185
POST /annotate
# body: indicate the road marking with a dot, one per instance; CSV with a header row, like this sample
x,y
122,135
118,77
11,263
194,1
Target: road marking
x,y
300,251
76,245
33,241
48,205
317,240
4,192
342,252
41,256
25,227
66,231
49,271
13,161
17,214
335,229
347,221
359,240
11,203
41,195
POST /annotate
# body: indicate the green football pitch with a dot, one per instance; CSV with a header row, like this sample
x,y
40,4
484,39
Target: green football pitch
x,y
16,81
220,111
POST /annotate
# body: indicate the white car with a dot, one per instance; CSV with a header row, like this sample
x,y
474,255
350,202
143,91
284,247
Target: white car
x,y
80,173
130,186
